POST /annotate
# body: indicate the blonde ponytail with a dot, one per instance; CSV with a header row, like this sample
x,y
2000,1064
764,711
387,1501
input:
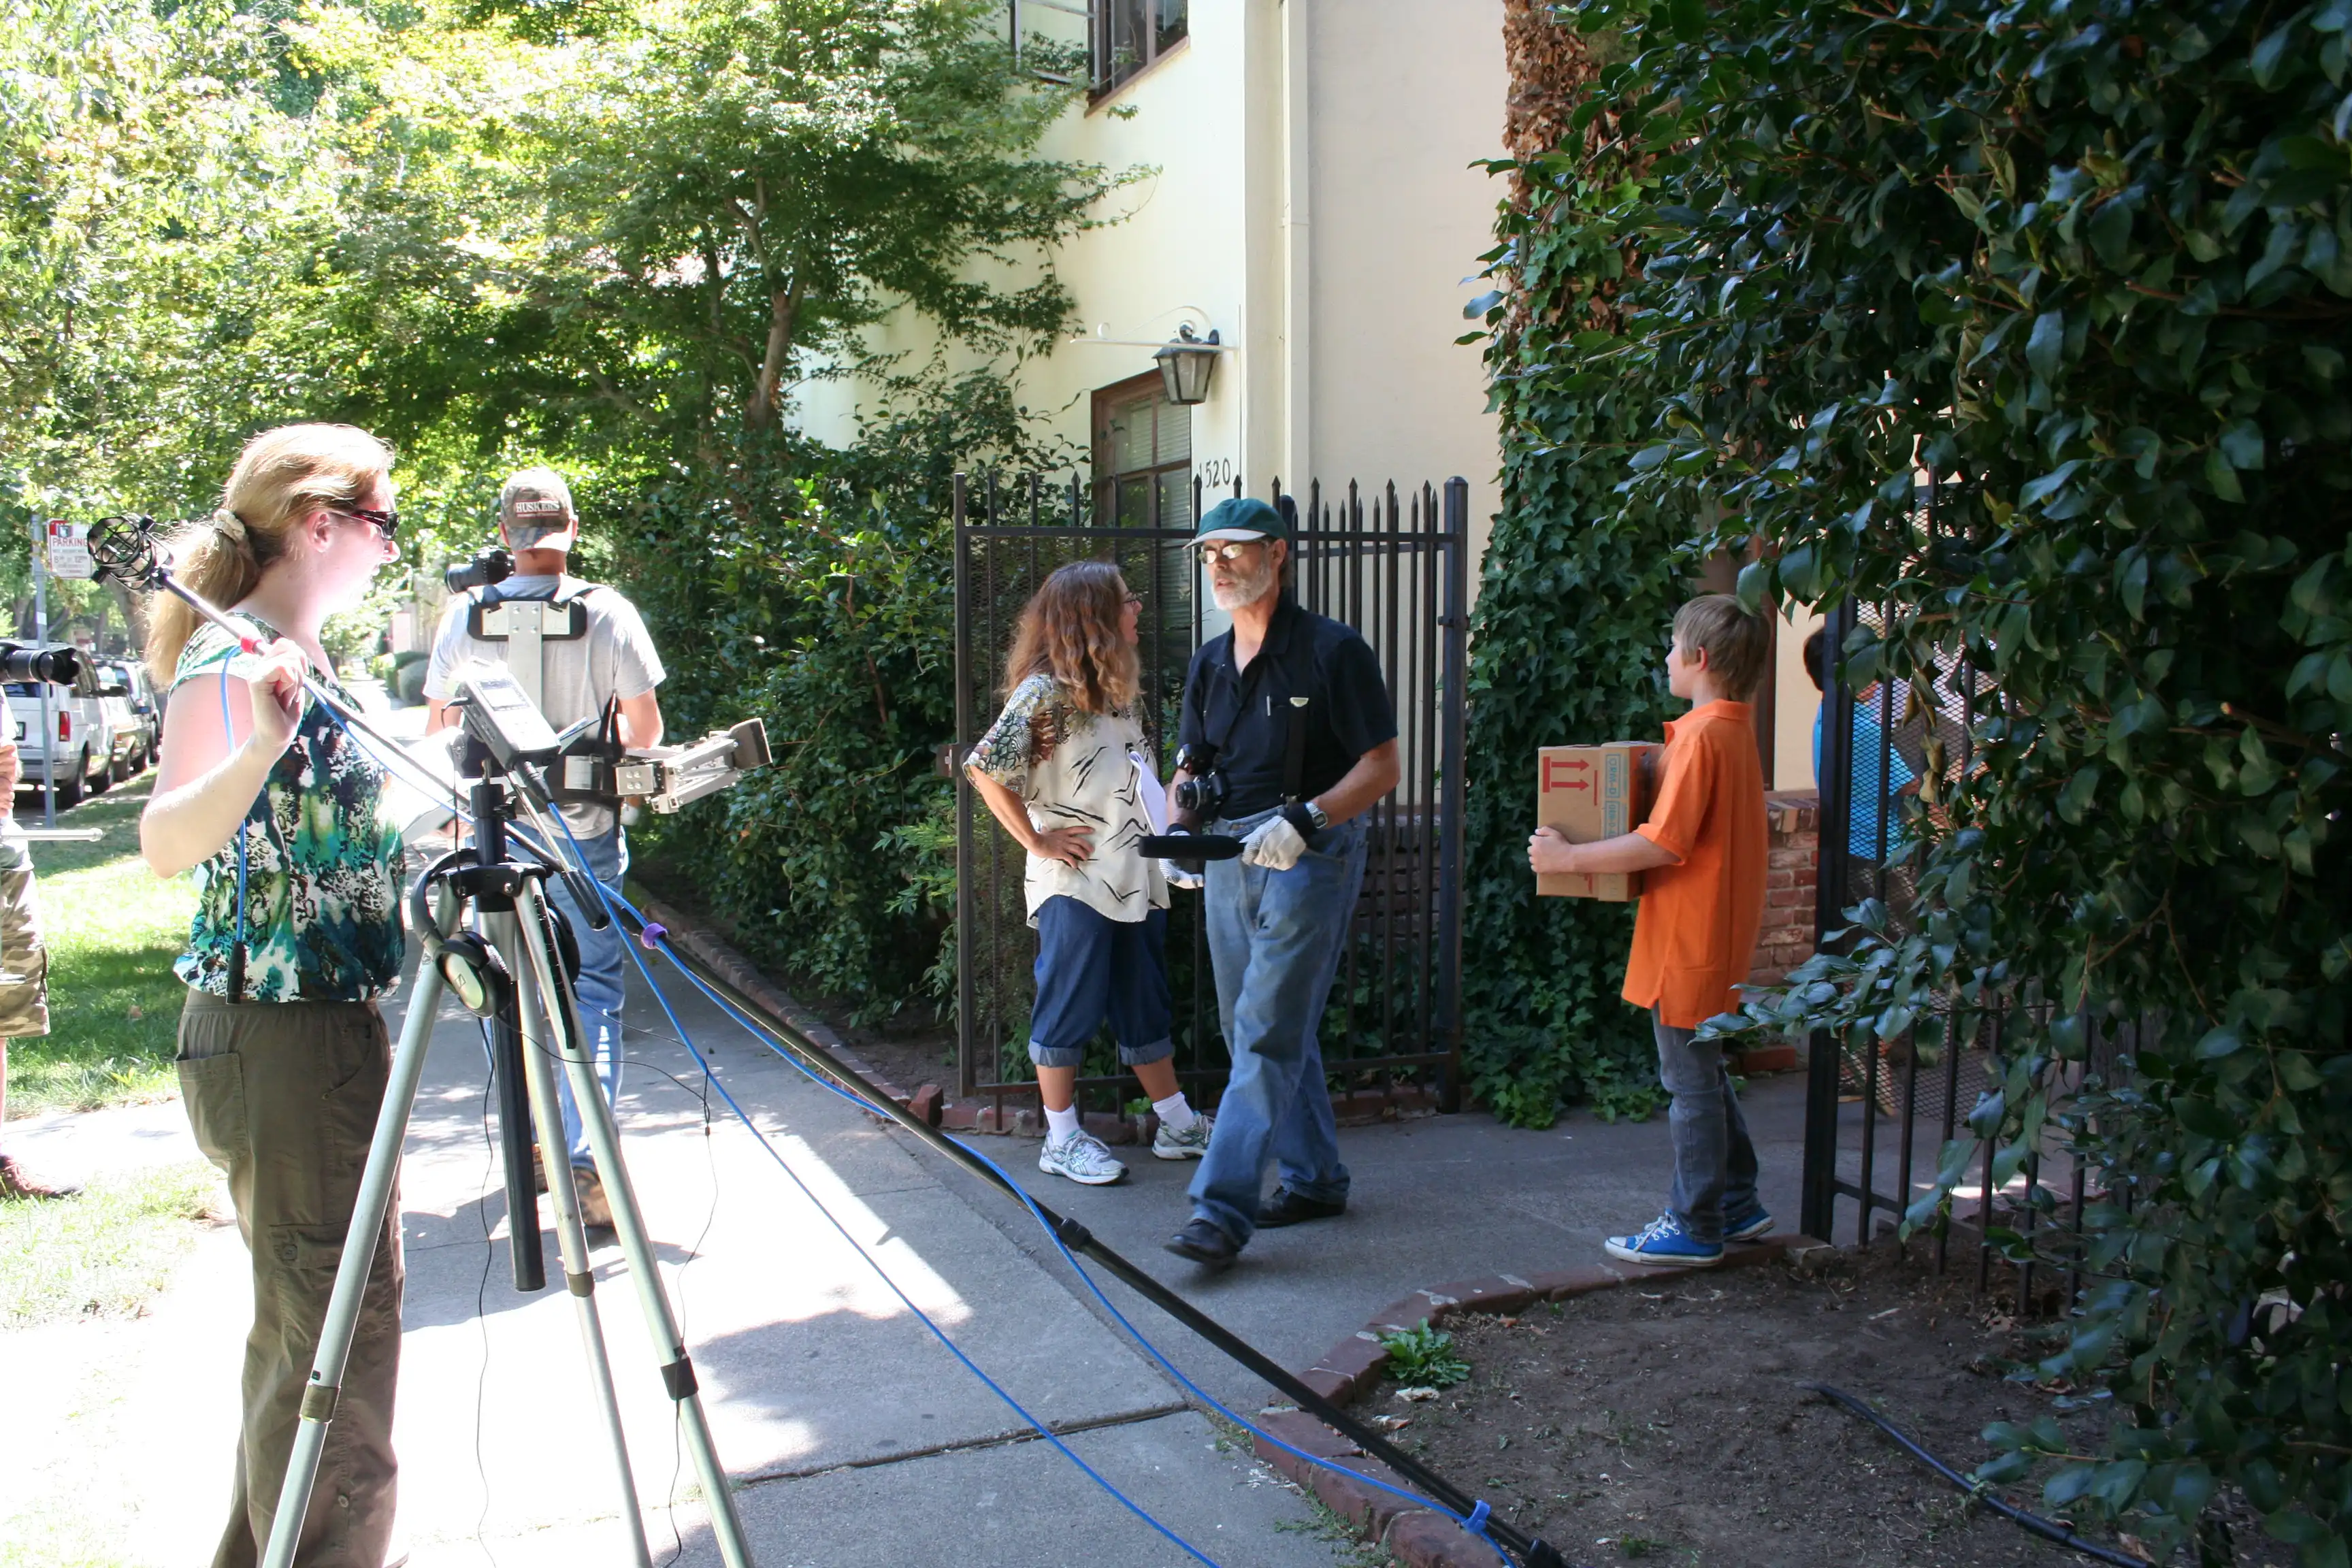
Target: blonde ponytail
x,y
281,477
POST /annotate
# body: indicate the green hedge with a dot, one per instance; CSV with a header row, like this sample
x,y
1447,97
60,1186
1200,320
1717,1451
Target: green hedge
x,y
810,586
2088,265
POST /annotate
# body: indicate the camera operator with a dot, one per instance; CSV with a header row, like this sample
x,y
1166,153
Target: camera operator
x,y
1288,736
283,1057
605,672
24,971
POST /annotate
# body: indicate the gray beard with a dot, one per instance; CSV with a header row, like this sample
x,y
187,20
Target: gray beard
x,y
1249,591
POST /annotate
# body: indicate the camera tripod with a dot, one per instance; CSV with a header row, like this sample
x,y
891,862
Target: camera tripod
x,y
508,969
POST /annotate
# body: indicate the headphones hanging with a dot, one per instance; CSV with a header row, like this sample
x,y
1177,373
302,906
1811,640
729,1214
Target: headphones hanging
x,y
471,968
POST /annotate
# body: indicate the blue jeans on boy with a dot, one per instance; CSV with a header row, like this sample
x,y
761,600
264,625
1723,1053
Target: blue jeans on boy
x,y
1715,1164
1090,968
1275,940
600,987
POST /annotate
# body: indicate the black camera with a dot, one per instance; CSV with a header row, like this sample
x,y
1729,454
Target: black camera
x,y
57,666
494,564
1201,796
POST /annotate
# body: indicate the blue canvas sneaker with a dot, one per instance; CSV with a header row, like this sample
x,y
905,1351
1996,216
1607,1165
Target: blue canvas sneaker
x,y
1747,1224
1664,1241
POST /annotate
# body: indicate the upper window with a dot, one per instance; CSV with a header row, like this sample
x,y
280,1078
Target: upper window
x,y
1130,35
1143,456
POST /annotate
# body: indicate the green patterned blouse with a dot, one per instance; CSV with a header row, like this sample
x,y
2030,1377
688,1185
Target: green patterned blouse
x,y
322,872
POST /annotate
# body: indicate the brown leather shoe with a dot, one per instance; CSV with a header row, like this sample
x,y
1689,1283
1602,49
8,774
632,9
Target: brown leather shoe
x,y
16,1182
595,1211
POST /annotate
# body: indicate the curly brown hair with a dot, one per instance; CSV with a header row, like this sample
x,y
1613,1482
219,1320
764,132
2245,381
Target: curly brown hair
x,y
1070,631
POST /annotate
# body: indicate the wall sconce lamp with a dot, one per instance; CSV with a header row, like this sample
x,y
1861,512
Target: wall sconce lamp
x,y
1187,364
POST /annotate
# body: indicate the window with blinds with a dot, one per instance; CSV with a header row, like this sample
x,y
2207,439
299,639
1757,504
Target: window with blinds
x,y
1143,456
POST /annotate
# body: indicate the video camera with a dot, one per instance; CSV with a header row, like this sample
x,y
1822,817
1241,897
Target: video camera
x,y
23,662
490,567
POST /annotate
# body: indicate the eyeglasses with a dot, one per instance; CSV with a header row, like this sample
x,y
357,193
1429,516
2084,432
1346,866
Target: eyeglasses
x,y
1135,601
384,522
1227,550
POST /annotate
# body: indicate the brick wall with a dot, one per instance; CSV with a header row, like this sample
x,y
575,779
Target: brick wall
x,y
1787,939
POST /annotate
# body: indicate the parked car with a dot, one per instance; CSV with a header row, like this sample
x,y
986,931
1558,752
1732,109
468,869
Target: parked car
x,y
78,747
143,729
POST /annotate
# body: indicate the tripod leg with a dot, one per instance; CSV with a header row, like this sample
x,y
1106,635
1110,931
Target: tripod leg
x,y
539,1052
628,1222
352,1274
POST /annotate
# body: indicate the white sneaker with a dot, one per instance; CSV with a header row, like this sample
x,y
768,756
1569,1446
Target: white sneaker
x,y
1189,1144
1082,1158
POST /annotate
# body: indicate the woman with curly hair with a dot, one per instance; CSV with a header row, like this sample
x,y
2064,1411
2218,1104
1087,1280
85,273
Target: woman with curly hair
x,y
1062,769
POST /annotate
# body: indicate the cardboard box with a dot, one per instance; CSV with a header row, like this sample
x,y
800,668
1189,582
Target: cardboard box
x,y
1592,793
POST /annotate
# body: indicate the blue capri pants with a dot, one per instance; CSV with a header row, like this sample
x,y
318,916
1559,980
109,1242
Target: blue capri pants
x,y
1091,968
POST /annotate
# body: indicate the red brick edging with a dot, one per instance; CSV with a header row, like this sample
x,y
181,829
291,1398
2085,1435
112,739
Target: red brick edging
x,y
1421,1537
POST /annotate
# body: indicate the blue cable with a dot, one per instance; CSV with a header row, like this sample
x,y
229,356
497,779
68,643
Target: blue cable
x,y
228,737
607,897
1474,1522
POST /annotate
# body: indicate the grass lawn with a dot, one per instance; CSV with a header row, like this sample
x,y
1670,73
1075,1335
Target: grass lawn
x,y
113,931
104,1253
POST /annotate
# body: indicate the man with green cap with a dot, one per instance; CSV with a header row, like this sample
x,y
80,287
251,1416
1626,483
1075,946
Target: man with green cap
x,y
1287,736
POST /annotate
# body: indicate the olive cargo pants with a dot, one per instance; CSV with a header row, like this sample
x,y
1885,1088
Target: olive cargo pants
x,y
283,1097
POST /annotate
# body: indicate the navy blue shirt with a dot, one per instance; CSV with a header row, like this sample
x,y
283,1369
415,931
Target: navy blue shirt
x,y
1347,710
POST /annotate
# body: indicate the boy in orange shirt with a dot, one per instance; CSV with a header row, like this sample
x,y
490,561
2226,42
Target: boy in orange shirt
x,y
1702,852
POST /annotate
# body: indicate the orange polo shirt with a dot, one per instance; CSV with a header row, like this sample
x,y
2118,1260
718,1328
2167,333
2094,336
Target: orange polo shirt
x,y
1694,934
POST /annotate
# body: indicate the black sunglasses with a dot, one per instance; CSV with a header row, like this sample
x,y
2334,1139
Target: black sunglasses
x,y
384,523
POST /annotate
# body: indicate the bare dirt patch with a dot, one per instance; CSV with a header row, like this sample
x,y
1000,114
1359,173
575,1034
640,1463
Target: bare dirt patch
x,y
1668,1420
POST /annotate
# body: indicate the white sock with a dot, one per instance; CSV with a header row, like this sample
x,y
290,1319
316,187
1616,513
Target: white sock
x,y
1060,1124
1175,1114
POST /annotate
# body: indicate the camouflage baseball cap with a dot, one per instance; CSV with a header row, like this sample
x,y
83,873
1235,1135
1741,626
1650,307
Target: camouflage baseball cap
x,y
535,506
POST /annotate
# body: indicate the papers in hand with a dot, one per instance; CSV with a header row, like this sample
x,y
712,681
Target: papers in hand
x,y
1155,807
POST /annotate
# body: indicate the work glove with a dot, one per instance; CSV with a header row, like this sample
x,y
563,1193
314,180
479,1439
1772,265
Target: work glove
x,y
1274,844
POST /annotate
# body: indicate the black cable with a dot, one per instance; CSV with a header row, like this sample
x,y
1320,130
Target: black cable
x,y
1531,1550
2048,1529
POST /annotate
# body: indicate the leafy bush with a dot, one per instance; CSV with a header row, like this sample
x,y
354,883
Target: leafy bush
x,y
809,586
1577,591
2087,269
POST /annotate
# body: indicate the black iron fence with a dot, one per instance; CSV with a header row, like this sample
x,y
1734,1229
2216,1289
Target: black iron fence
x,y
1394,566
1882,1112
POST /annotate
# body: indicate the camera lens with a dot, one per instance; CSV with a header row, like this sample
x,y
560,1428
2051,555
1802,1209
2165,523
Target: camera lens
x,y
495,565
57,665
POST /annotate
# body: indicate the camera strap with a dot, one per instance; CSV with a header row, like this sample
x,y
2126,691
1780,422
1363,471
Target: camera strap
x,y
1297,663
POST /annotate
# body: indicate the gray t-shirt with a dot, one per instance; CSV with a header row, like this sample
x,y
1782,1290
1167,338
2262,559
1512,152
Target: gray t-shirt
x,y
616,658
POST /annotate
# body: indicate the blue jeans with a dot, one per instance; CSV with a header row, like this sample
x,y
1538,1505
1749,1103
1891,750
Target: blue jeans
x,y
602,956
1715,1164
1091,967
1275,939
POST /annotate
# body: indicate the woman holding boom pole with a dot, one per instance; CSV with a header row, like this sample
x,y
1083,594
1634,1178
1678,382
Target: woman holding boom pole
x,y
283,1055
1063,770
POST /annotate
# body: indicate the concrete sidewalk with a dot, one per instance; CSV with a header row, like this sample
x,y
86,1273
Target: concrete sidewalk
x,y
1433,1200
853,1432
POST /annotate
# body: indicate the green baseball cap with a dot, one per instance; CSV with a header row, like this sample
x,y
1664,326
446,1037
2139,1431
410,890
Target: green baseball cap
x,y
1241,516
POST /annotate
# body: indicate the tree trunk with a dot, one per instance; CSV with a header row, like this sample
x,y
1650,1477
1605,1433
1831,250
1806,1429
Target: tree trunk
x,y
782,309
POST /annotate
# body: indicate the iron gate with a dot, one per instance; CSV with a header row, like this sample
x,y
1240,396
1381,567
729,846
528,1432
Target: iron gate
x,y
1393,565
1891,751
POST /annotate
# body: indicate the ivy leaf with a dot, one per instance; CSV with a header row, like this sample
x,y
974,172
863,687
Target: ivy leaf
x,y
2241,444
2222,477
2080,791
2046,345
